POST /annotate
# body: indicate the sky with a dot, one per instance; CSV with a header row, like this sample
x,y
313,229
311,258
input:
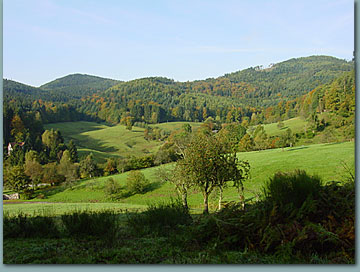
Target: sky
x,y
182,40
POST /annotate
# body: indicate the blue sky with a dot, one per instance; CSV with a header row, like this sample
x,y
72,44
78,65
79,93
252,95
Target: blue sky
x,y
183,40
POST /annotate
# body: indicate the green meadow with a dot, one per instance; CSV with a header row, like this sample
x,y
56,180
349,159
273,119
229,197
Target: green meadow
x,y
324,160
296,125
111,141
171,126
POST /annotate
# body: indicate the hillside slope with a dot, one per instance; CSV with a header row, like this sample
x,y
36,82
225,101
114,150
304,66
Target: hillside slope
x,y
79,84
233,97
293,77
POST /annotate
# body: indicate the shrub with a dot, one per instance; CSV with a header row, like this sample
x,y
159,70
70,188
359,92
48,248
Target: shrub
x,y
24,226
103,224
292,188
136,182
27,194
160,219
112,188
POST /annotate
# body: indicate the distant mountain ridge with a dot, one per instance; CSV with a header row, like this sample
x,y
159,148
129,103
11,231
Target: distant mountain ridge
x,y
293,77
233,96
79,84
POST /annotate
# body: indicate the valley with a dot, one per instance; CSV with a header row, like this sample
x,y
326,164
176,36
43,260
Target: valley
x,y
256,161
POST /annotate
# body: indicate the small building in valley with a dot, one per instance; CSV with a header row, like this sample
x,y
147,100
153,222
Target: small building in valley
x,y
12,145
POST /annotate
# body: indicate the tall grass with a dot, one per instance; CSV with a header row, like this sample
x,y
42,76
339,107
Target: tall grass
x,y
103,224
160,219
292,188
24,226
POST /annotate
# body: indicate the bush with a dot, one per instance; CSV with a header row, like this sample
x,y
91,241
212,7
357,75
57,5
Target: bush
x,y
27,194
292,188
24,226
160,219
136,182
112,188
102,224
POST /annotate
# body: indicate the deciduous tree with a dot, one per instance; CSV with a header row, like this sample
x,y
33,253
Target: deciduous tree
x,y
207,165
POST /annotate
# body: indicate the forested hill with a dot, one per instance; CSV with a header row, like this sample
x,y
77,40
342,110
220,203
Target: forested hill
x,y
78,85
290,78
255,86
237,96
14,90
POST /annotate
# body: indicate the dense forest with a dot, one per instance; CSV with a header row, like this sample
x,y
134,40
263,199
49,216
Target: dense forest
x,y
253,96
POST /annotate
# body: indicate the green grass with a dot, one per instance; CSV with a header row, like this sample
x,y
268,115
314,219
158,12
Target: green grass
x,y
56,209
171,126
106,141
296,124
111,141
321,159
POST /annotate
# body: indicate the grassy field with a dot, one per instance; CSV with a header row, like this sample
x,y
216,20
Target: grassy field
x,y
56,209
116,141
111,141
296,124
323,160
171,126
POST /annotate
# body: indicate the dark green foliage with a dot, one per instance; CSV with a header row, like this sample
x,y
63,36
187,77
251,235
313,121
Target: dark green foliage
x,y
292,188
321,231
291,77
319,222
136,163
160,219
102,224
24,226
88,167
15,178
78,85
74,157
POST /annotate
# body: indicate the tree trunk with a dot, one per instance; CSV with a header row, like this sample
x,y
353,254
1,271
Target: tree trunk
x,y
241,196
184,200
206,204
242,201
220,197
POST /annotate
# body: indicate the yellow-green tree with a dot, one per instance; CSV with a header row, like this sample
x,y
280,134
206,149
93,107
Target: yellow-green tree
x,y
207,165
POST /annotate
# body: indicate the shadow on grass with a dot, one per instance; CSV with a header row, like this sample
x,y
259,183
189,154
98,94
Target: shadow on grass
x,y
297,148
85,141
334,143
149,188
49,191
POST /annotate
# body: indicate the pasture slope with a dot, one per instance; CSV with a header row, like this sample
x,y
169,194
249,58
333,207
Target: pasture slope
x,y
324,160
106,141
111,141
296,125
